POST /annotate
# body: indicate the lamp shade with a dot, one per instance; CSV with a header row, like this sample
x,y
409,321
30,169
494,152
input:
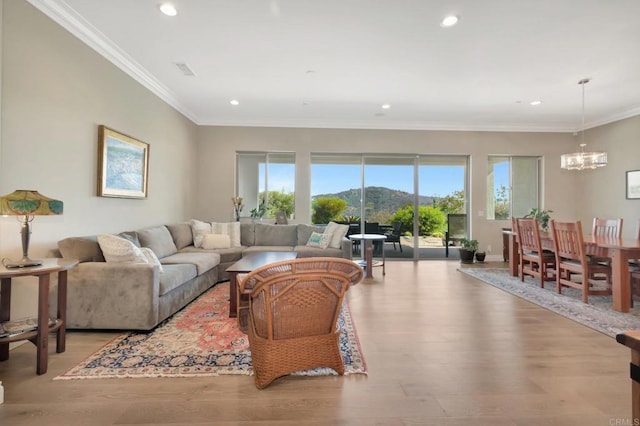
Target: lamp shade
x,y
29,203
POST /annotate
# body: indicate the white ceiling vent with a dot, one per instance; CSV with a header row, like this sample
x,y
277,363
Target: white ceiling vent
x,y
185,69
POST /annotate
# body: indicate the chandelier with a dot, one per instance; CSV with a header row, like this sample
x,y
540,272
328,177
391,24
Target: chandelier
x,y
583,160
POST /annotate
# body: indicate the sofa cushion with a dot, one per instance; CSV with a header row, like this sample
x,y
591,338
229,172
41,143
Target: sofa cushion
x,y
305,231
260,249
232,229
152,258
319,240
158,239
337,232
120,250
131,236
199,229
247,233
174,276
216,241
275,235
203,261
306,251
229,255
85,249
181,234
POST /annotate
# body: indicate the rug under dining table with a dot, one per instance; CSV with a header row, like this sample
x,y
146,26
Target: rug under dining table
x,y
597,314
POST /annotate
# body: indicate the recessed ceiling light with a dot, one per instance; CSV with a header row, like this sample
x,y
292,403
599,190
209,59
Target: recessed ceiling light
x,y
535,103
449,21
234,102
168,9
386,106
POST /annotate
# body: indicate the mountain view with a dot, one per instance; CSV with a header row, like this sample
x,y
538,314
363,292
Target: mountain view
x,y
378,198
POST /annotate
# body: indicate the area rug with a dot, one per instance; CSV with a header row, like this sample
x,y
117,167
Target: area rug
x,y
597,314
200,340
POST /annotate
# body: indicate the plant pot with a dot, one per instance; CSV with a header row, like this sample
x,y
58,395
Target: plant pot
x,y
480,255
466,256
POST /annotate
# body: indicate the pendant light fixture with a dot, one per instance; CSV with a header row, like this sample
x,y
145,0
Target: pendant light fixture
x,y
583,160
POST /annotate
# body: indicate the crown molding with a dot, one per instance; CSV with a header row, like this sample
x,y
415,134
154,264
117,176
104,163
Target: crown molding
x,y
65,16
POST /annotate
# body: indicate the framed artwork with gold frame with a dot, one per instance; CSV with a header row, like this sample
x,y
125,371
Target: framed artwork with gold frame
x,y
123,165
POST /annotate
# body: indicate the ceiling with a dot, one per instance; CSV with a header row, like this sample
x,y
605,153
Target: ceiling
x,y
334,63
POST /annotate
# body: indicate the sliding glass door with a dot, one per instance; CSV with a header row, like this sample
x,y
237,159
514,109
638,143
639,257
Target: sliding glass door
x,y
406,196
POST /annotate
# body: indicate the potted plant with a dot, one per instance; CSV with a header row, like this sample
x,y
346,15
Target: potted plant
x,y
542,216
480,255
468,249
258,212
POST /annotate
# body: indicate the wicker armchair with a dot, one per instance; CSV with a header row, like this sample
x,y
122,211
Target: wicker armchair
x,y
293,310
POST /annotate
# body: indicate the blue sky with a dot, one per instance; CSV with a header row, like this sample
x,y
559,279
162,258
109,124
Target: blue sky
x,y
326,179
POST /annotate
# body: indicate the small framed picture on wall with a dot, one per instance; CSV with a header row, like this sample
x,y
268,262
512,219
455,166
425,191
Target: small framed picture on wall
x,y
633,185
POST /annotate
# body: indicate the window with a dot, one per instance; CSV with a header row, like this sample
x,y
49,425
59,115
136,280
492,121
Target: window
x,y
512,186
266,178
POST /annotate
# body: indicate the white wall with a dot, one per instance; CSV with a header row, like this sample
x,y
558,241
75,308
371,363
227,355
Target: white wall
x,y
55,93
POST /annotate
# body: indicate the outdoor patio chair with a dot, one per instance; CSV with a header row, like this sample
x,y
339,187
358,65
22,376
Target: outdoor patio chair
x,y
293,312
393,236
571,259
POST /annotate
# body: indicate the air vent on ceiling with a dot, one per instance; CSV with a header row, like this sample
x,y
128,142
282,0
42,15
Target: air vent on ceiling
x,y
185,69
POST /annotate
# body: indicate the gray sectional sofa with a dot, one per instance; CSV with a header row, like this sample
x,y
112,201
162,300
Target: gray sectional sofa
x,y
138,296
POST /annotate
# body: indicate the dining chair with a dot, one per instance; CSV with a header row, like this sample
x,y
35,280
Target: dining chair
x,y
294,307
608,228
534,260
571,260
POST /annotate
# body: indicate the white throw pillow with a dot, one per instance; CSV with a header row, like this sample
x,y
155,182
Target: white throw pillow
x,y
319,240
199,229
216,241
151,258
118,250
337,233
232,229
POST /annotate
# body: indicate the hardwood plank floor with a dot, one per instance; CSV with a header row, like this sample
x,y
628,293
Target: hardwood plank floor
x,y
442,349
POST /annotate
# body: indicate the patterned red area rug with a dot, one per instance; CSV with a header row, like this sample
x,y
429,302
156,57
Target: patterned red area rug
x,y
200,340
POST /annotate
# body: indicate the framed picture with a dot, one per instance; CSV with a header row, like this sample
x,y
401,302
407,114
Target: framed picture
x,y
633,185
123,165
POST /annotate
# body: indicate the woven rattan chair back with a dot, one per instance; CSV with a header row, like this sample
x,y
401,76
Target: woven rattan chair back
x,y
293,312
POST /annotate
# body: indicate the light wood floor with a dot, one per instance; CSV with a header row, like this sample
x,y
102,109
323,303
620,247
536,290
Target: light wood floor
x,y
442,349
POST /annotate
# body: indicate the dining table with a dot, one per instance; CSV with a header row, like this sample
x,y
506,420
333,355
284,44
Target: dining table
x,y
620,250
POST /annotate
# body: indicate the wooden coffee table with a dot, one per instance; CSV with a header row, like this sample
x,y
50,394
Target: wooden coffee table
x,y
249,262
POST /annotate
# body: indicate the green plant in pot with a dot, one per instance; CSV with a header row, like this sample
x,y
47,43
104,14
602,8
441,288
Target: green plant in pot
x,y
542,216
468,249
258,212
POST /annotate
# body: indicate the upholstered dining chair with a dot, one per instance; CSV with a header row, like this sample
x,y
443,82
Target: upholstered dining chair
x,y
293,312
534,260
570,251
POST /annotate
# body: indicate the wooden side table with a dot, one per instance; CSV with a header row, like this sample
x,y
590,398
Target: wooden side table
x,y
39,337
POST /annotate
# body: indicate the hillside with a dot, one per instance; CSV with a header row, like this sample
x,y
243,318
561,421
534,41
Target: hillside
x,y
378,199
